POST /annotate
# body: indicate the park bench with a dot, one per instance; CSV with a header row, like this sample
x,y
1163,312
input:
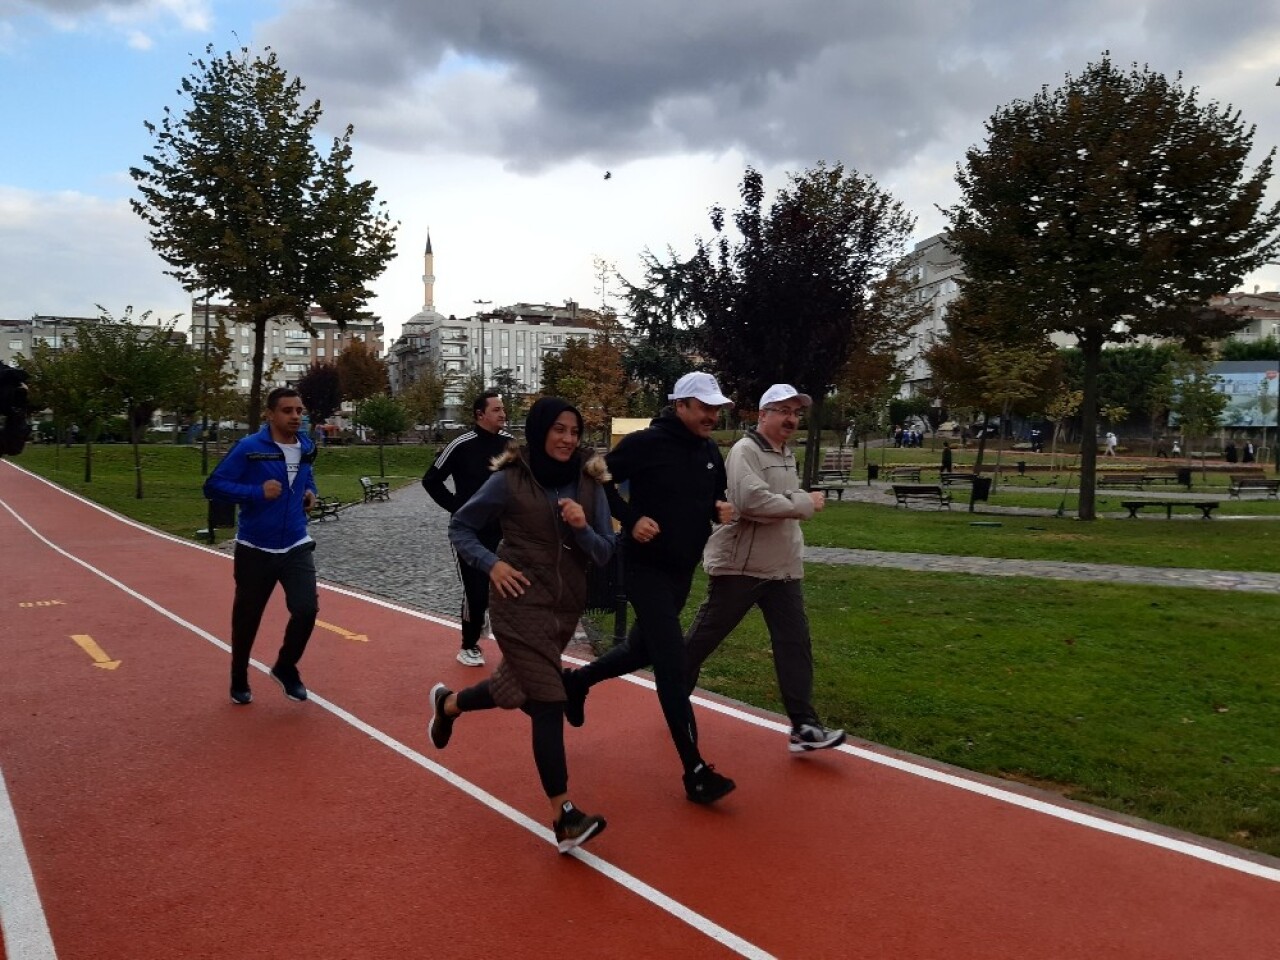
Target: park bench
x,y
841,460
949,478
324,508
833,481
1240,483
1206,507
1121,480
904,493
375,489
904,473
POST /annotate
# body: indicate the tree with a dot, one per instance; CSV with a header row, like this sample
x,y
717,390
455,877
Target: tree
x,y
360,373
384,417
817,277
1198,400
321,391
590,376
1111,208
664,339
1268,348
513,398
472,387
135,370
239,200
424,398
59,383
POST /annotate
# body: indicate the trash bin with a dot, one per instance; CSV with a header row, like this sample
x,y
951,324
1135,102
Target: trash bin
x,y
1022,467
981,489
221,514
1184,476
873,472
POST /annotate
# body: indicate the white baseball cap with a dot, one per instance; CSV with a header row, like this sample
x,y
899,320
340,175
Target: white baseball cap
x,y
784,391
699,386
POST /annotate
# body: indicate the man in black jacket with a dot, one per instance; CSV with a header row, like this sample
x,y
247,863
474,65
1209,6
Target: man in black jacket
x,y
467,460
676,490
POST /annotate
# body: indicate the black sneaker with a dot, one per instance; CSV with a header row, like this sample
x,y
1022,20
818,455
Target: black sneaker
x,y
241,695
574,828
440,727
704,785
290,682
575,703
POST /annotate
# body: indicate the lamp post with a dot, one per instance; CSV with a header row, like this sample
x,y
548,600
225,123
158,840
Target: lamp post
x,y
1275,337
480,321
204,393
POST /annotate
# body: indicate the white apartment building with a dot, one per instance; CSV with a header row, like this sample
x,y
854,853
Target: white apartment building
x,y
286,341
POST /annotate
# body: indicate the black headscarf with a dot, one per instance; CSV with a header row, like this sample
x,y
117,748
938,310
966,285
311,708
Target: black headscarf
x,y
547,470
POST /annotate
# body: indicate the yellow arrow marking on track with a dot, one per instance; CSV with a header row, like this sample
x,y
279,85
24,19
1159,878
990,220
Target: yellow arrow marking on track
x,y
90,646
344,633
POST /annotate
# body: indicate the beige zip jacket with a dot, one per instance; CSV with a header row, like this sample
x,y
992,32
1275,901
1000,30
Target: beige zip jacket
x,y
765,541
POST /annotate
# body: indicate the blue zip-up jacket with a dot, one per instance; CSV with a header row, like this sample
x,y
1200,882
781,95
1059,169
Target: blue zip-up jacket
x,y
270,524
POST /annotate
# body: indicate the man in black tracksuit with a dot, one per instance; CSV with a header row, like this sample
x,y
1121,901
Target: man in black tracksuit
x,y
467,460
676,484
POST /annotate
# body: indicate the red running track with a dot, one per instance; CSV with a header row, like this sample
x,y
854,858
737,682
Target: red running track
x,y
156,820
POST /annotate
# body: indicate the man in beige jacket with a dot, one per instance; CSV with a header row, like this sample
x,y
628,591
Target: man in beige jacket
x,y
758,560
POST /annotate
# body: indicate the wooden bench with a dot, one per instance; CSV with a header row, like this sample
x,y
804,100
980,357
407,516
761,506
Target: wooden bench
x,y
1206,507
904,493
375,489
1120,480
1159,478
833,481
1240,483
836,460
324,508
949,478
904,473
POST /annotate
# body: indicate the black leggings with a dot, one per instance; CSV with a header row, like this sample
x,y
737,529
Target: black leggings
x,y
657,639
547,721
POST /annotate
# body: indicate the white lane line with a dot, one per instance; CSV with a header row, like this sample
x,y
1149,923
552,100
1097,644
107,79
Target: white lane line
x,y
26,932
1047,808
633,884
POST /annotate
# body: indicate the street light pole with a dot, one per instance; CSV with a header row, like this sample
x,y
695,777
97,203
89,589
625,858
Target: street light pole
x,y
1275,337
204,394
480,321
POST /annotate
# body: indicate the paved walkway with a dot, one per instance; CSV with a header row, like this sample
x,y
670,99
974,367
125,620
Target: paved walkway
x,y
400,550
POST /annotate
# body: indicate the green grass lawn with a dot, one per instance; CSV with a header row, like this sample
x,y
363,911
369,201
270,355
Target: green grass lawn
x,y
1161,703
172,500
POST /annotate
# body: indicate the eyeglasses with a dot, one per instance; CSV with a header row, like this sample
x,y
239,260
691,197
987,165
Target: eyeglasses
x,y
786,411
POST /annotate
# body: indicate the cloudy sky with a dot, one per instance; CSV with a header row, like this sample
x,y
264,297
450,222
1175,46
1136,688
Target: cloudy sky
x,y
493,122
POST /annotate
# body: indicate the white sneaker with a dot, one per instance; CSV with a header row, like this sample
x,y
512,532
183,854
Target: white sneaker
x,y
810,736
471,657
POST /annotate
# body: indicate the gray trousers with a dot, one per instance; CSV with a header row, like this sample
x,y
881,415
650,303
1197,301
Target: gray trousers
x,y
729,598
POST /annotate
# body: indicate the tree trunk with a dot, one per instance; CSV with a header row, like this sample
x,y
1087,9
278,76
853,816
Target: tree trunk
x,y
1092,351
382,463
137,467
812,444
254,413
88,461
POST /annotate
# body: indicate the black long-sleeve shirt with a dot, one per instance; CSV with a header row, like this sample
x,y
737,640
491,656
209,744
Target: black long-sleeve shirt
x,y
468,461
674,477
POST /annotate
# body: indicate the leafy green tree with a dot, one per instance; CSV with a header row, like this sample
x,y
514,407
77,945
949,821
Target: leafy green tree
x,y
1111,208
472,387
424,397
664,340
238,199
386,419
61,384
135,369
321,391
1198,400
360,373
813,279
591,377
513,398
1268,348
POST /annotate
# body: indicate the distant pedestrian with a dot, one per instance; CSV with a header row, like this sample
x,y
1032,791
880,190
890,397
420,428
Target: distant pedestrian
x,y
468,463
1250,452
757,560
269,474
554,518
1230,452
1177,448
1111,444
946,457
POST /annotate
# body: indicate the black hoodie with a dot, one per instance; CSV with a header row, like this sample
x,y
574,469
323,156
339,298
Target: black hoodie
x,y
674,477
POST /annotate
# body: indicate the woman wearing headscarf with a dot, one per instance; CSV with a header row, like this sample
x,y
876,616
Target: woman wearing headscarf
x,y
555,518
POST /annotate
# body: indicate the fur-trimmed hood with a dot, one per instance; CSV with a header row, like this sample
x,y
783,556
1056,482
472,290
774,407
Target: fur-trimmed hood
x,y
593,464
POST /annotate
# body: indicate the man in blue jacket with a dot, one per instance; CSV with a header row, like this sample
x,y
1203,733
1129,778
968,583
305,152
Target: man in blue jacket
x,y
269,475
